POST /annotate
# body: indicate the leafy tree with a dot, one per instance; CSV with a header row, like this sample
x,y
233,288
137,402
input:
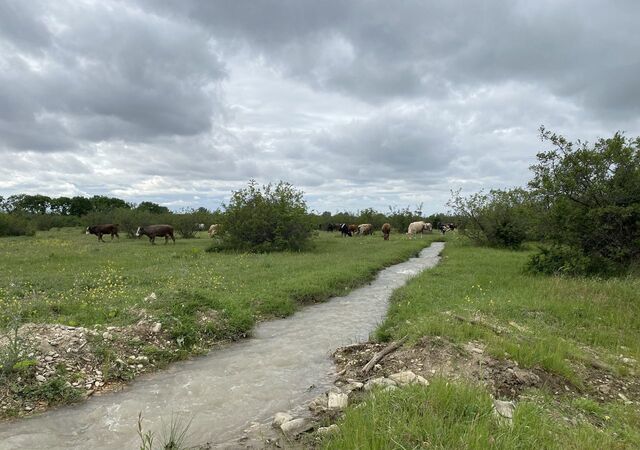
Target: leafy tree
x,y
79,206
152,208
271,218
592,198
500,218
104,203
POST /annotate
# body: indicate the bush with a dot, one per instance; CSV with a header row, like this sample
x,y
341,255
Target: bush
x,y
498,219
593,204
15,225
273,218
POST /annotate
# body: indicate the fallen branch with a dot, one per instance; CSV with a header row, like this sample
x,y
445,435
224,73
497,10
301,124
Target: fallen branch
x,y
493,328
382,353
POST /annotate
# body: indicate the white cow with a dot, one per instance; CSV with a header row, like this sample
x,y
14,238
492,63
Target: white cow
x,y
213,230
416,227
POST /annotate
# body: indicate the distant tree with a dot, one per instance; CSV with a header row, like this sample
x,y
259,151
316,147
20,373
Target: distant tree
x,y
500,218
79,206
104,203
61,205
153,208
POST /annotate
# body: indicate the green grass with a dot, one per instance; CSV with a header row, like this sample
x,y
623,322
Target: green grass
x,y
554,323
64,276
546,321
448,415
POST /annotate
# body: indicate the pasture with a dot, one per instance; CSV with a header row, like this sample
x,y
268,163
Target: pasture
x,y
64,276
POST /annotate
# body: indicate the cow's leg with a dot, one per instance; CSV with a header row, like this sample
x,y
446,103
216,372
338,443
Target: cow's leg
x,y
173,238
100,237
152,239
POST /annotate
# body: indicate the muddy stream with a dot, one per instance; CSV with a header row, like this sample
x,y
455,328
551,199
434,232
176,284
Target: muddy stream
x,y
284,365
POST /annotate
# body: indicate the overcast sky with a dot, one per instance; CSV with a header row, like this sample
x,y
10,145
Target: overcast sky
x,y
358,103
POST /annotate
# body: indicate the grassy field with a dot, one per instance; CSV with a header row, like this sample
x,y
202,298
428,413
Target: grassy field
x,y
67,277
561,325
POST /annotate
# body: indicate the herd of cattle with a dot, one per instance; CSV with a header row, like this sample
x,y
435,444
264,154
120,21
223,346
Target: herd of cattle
x,y
166,231
419,227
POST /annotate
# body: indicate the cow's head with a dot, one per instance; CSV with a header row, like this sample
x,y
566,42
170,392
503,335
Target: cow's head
x,y
139,232
88,230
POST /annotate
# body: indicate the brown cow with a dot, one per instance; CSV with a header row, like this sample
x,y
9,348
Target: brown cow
x,y
365,229
102,229
152,231
353,228
386,231
213,230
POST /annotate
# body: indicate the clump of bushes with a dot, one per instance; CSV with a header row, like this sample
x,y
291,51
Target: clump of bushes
x,y
15,225
592,198
271,218
498,219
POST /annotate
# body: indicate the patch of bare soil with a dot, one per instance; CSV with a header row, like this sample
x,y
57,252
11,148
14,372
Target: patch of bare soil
x,y
88,361
434,356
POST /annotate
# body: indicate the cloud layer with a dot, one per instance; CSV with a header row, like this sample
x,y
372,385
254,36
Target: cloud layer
x,y
360,104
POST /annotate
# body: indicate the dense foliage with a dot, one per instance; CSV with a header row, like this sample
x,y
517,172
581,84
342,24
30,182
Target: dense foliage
x,y
591,195
498,219
271,218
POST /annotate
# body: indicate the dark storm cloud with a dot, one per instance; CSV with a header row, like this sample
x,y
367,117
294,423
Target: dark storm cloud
x,y
104,72
360,103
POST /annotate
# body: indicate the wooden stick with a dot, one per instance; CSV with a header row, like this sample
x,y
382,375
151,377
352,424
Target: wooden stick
x,y
496,330
382,353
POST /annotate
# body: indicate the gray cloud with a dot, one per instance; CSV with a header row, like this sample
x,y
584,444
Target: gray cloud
x,y
363,103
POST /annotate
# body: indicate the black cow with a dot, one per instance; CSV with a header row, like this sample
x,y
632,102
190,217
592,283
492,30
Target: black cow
x,y
345,230
102,229
152,231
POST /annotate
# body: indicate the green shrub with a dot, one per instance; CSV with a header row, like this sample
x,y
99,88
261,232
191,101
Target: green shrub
x,y
593,198
16,225
497,219
273,218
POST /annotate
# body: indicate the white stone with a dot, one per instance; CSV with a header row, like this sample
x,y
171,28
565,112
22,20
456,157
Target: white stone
x,y
421,380
296,426
281,418
41,378
402,378
156,328
378,382
504,408
337,401
333,428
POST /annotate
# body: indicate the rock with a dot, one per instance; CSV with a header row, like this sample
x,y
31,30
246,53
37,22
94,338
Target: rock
x,y
150,297
526,377
421,380
333,428
319,404
504,408
41,378
390,388
402,378
352,386
156,328
281,418
296,426
337,401
107,336
48,358
382,382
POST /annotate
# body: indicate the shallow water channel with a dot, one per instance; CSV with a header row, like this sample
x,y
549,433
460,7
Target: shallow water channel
x,y
284,365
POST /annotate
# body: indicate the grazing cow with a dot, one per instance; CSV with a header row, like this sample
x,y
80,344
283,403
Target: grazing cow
x,y
102,229
365,229
199,227
152,231
416,227
344,229
386,230
213,230
353,228
428,227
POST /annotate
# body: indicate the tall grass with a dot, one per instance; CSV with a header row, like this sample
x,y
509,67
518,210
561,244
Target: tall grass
x,y
449,415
